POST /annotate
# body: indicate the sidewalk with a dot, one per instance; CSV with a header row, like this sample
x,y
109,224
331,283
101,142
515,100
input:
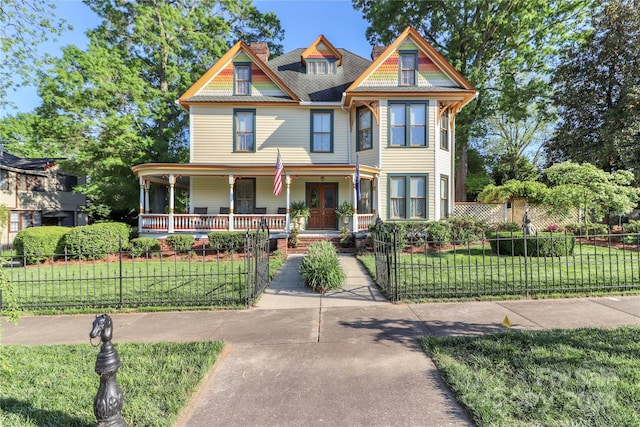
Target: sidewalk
x,y
346,358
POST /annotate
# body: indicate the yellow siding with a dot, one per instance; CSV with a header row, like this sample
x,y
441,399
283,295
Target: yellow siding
x,y
287,129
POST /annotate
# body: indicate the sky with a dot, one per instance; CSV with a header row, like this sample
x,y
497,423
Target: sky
x,y
302,20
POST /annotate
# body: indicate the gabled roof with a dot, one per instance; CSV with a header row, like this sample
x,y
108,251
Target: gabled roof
x,y
9,161
313,49
191,95
463,87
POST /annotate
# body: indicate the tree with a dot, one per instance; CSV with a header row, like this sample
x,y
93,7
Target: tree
x,y
27,135
113,104
519,168
593,191
532,191
23,26
597,91
493,44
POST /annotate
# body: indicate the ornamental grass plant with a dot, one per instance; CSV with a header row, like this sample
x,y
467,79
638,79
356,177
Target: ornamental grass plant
x,y
320,268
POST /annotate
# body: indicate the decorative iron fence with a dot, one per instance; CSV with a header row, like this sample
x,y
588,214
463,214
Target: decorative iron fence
x,y
415,267
200,277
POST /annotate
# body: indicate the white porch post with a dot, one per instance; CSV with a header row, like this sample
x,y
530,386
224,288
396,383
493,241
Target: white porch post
x,y
141,209
231,179
172,181
354,195
287,180
147,185
375,203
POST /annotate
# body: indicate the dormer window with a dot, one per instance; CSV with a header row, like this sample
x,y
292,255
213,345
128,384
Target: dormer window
x,y
242,77
408,66
321,67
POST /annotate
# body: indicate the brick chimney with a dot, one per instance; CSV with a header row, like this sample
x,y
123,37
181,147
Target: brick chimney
x,y
377,51
261,50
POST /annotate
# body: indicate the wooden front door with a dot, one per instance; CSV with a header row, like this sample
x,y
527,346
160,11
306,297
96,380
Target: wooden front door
x,y
322,200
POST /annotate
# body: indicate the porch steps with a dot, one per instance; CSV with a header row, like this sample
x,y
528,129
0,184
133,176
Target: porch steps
x,y
307,240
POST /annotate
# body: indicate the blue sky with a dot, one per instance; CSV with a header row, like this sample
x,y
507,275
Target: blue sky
x,y
302,20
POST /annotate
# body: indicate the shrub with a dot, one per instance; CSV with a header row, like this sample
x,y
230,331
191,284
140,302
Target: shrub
x,y
347,239
466,228
554,228
508,226
227,240
438,233
97,240
539,245
180,242
142,246
591,229
632,227
320,268
37,244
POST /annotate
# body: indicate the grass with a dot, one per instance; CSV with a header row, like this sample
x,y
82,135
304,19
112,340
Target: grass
x,y
476,272
55,385
585,377
172,282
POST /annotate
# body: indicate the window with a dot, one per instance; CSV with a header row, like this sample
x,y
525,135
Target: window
x,y
14,222
444,197
408,62
364,140
444,130
408,124
408,197
244,195
242,77
366,191
66,183
30,183
322,131
244,130
4,179
321,67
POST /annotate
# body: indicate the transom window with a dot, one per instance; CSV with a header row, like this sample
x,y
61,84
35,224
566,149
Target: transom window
x,y
364,129
242,77
321,67
408,197
408,124
444,130
244,130
408,62
322,131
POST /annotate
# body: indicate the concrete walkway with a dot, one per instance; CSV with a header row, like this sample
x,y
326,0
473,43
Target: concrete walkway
x,y
345,358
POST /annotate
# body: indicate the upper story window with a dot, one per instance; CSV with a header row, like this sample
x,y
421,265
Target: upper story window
x,y
244,130
444,130
321,67
242,78
66,182
408,124
30,183
364,141
4,179
408,67
322,131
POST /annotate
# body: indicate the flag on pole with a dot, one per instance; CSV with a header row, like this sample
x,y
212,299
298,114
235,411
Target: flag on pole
x,y
358,195
277,179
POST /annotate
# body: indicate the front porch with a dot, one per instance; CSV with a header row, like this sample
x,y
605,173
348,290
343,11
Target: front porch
x,y
205,223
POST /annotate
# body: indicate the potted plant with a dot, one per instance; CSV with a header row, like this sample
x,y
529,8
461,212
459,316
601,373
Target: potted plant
x,y
299,213
344,212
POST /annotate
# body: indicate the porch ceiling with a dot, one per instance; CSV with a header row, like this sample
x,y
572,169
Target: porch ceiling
x,y
159,172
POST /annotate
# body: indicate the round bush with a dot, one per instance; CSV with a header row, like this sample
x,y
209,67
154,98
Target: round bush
x,y
540,245
144,246
180,242
97,240
37,244
227,240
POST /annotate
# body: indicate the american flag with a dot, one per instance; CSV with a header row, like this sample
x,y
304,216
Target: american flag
x,y
277,179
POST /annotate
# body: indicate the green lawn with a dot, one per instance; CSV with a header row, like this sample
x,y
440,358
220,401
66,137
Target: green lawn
x,y
154,282
55,385
586,377
475,272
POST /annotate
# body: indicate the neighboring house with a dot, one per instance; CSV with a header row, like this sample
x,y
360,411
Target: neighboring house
x,y
335,119
36,192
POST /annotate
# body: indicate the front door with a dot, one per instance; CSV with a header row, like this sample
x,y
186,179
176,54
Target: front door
x,y
322,204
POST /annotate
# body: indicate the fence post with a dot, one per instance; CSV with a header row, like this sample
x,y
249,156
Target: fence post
x,y
120,266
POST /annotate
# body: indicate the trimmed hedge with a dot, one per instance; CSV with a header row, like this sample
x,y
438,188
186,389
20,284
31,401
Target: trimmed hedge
x,y
180,242
37,244
97,240
227,240
144,246
539,245
320,268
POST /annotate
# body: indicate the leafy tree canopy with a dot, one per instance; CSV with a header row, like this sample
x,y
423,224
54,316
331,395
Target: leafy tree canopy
x,y
597,91
532,191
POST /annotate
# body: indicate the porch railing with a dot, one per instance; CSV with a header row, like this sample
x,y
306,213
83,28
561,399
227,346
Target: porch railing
x,y
364,221
154,223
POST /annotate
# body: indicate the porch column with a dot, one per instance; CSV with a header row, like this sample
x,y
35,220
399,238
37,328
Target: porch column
x,y
375,208
354,217
141,209
147,185
172,181
231,179
287,181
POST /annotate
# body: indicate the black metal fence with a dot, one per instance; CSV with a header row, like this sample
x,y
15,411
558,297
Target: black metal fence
x,y
199,277
413,267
